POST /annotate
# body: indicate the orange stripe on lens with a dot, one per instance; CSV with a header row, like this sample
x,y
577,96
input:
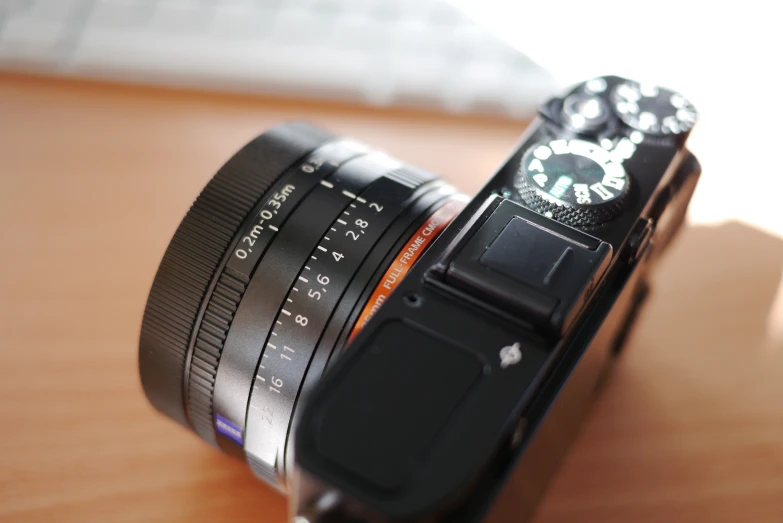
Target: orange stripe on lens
x,y
405,259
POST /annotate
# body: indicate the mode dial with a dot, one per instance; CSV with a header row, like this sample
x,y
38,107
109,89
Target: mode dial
x,y
575,182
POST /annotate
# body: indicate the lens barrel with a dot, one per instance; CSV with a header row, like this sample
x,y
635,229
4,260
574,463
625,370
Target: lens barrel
x,y
266,278
195,253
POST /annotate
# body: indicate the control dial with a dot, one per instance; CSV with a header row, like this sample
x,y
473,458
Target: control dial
x,y
652,109
584,113
576,182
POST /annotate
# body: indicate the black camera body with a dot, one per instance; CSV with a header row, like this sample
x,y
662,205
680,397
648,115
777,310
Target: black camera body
x,y
472,335
458,400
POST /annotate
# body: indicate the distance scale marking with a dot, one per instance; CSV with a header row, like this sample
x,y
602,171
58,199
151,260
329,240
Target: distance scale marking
x,y
292,188
307,310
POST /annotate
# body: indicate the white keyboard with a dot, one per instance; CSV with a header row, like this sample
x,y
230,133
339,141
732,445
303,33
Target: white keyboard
x,y
419,53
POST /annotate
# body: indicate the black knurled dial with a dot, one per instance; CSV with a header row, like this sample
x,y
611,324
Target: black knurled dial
x,y
575,182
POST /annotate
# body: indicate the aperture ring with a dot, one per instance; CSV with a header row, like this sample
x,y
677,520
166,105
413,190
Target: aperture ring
x,y
325,274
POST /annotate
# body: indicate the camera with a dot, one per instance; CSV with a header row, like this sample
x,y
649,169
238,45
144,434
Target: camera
x,y
383,348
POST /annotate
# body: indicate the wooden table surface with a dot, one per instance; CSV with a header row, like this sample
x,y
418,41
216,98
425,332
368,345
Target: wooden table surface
x,y
95,178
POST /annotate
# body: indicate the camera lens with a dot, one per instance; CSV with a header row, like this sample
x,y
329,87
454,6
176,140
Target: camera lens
x,y
285,255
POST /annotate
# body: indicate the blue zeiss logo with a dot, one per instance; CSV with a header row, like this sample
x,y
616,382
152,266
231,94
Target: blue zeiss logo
x,y
228,429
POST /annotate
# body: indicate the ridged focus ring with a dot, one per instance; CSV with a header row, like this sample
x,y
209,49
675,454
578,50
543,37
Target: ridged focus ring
x,y
190,263
208,346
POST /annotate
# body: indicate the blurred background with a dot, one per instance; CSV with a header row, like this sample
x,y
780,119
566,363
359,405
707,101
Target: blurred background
x,y
114,113
487,57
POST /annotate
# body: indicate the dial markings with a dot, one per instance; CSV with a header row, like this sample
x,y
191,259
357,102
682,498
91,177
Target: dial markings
x,y
653,109
354,230
575,174
596,85
283,199
536,165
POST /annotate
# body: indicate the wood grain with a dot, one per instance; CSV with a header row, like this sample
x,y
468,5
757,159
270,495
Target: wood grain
x,y
94,179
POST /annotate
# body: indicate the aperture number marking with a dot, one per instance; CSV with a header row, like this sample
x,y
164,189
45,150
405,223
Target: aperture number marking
x,y
267,415
361,224
320,280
